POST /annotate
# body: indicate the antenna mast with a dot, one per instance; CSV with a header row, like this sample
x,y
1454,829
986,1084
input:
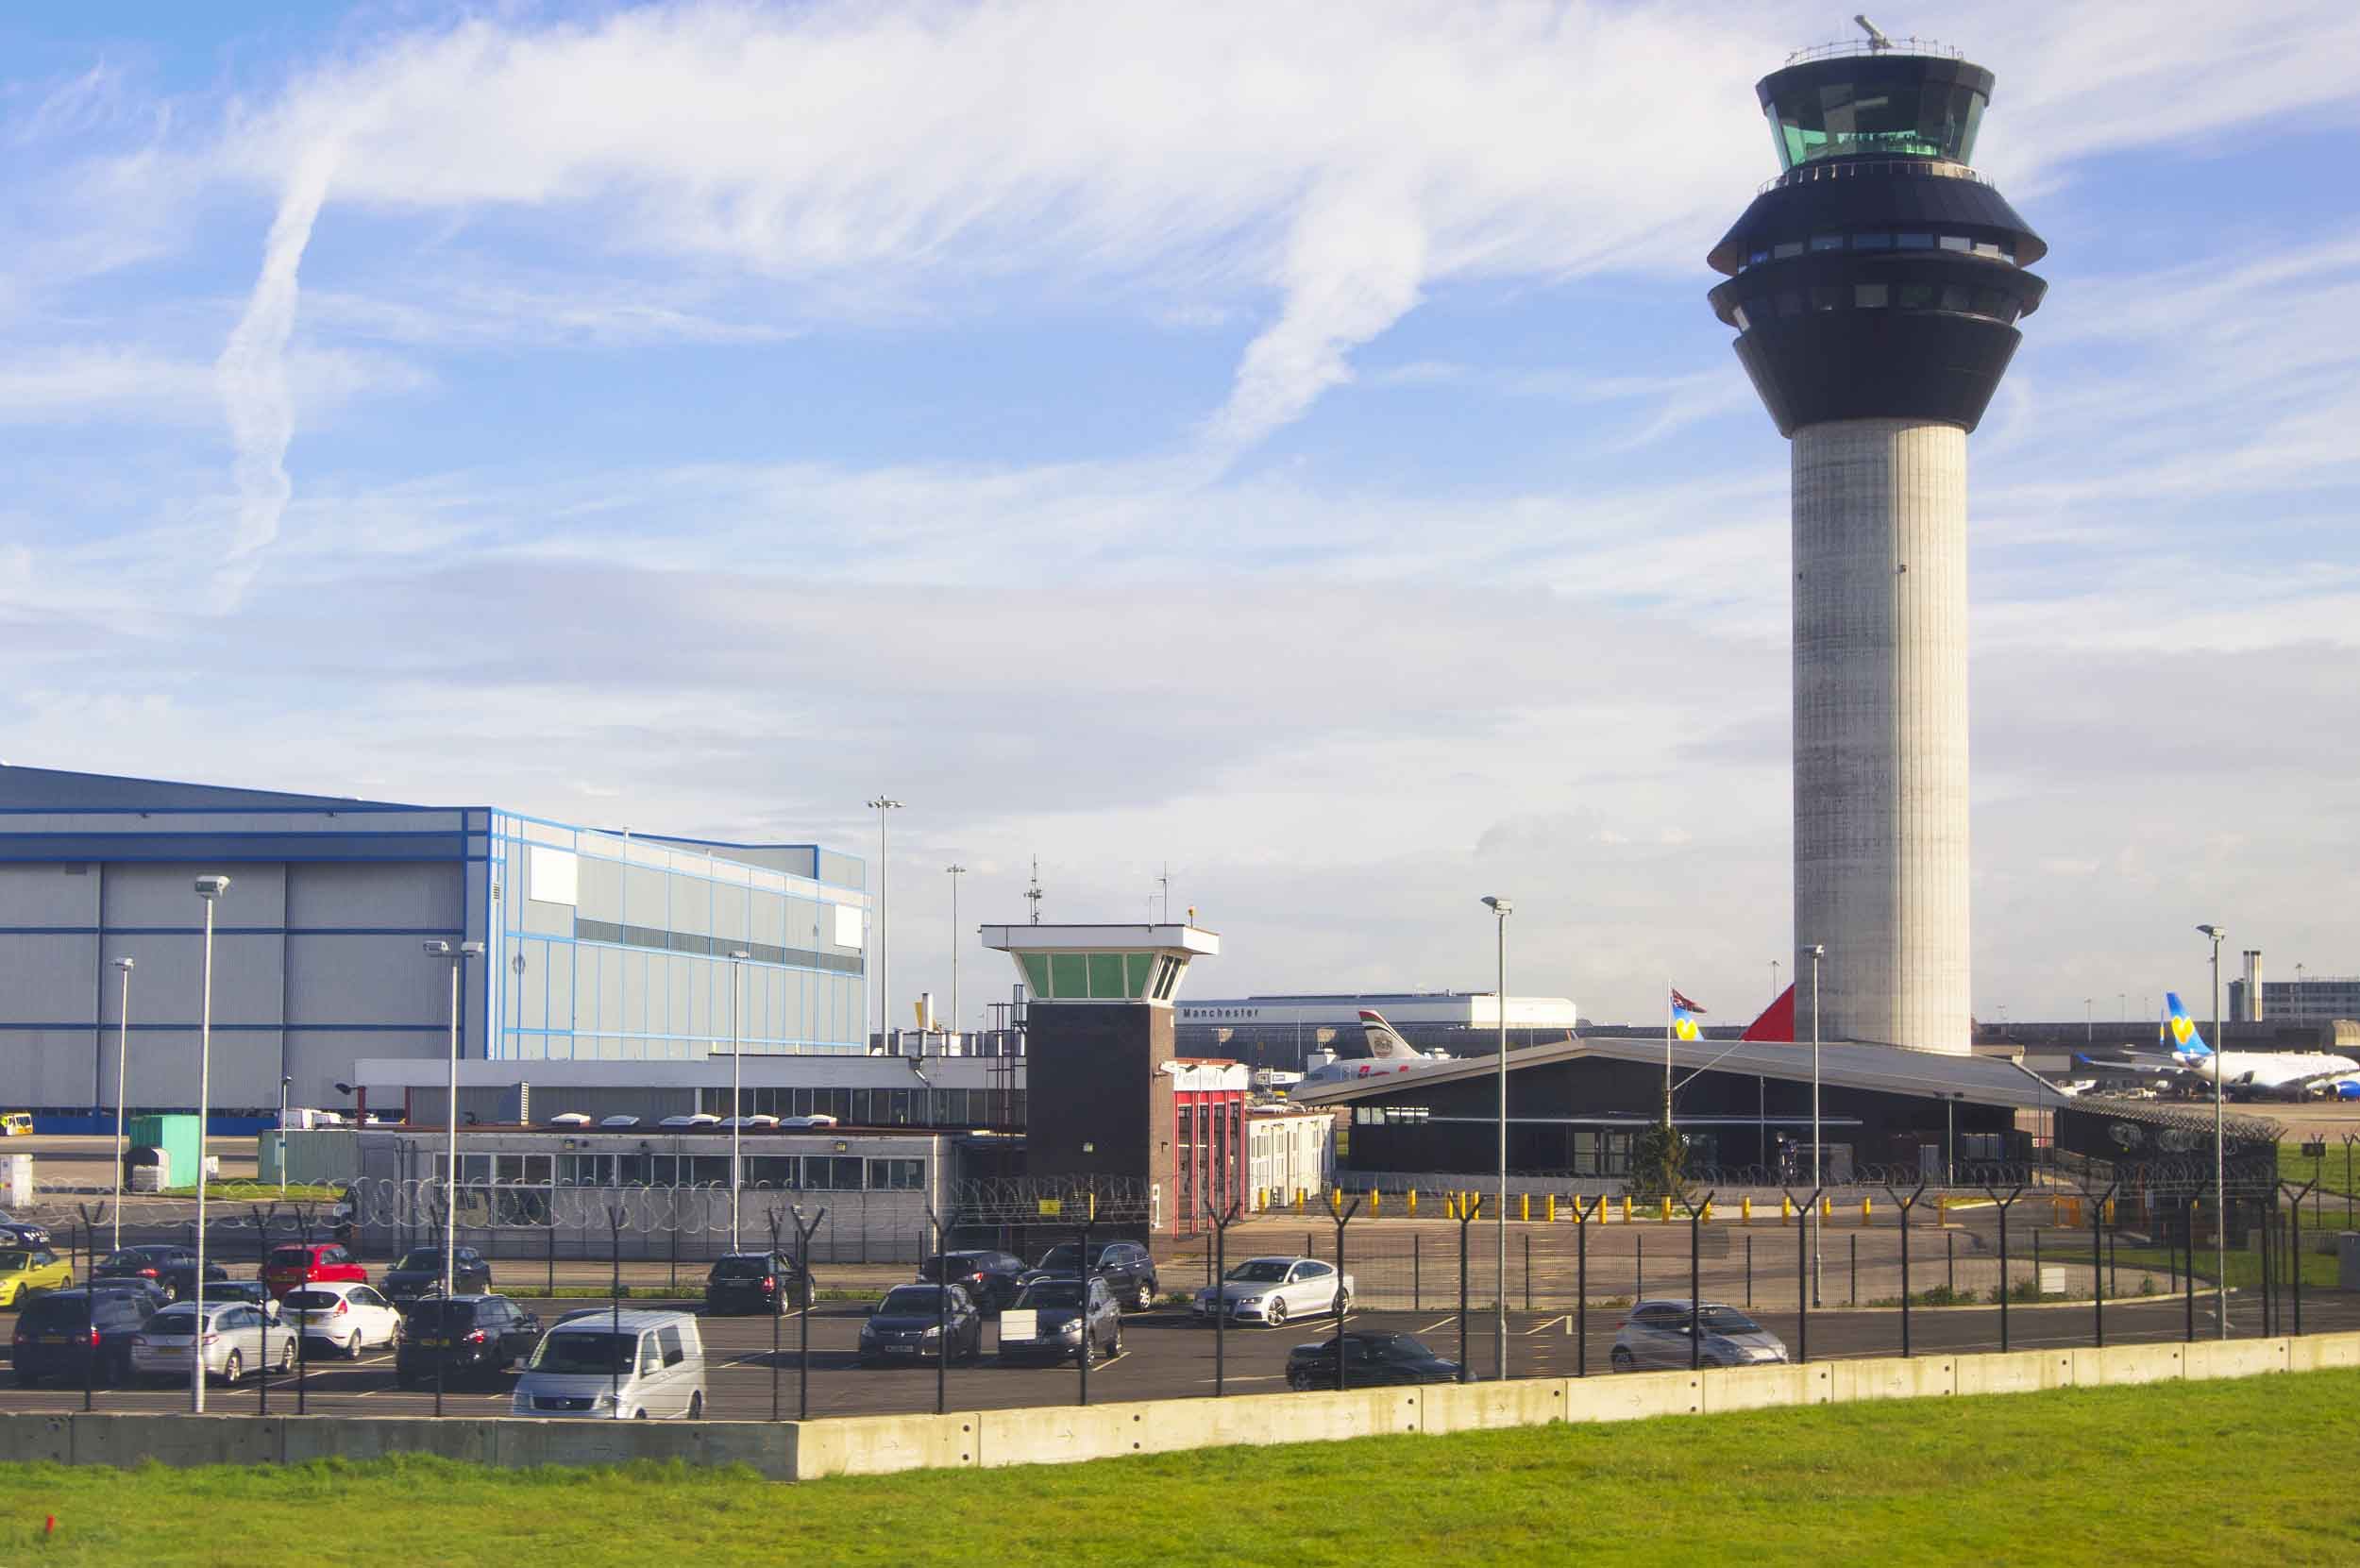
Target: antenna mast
x,y
1032,893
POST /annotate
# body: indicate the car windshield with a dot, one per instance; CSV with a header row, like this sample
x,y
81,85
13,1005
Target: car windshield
x,y
296,1257
172,1320
1062,1256
131,1257
573,1350
306,1301
753,1267
12,1260
53,1312
910,1298
418,1257
1052,1293
1727,1320
1261,1271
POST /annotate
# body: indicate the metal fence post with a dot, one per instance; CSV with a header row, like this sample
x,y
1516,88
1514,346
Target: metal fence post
x,y
1528,1271
1343,1218
2190,1275
811,1302
1582,1284
1695,1292
2098,1260
1749,1271
1467,1208
2294,1245
1907,1207
1855,1299
1417,1273
2006,1285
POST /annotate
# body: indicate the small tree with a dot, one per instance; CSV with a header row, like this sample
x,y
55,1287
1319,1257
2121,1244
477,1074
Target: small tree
x,y
1659,1163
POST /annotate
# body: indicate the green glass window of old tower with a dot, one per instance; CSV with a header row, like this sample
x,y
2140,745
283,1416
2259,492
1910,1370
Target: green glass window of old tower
x,y
1088,977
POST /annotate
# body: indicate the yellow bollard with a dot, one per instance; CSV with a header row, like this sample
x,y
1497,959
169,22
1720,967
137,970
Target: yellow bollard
x,y
1524,1206
1298,1200
1413,1203
1863,1211
1827,1208
1707,1216
2109,1210
1552,1207
1627,1208
1786,1209
1376,1202
1746,1211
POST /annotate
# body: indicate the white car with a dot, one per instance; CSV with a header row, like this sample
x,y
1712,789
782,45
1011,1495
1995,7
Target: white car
x,y
349,1316
612,1365
239,1339
1273,1289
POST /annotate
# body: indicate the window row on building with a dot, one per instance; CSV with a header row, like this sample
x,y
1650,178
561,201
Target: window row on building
x,y
879,1107
784,1172
1997,304
1763,252
1101,976
561,1000
718,947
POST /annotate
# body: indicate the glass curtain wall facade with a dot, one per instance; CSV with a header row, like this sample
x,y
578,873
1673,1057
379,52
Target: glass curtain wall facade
x,y
612,947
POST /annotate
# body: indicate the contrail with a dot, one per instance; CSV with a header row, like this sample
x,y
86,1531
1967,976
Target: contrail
x,y
252,372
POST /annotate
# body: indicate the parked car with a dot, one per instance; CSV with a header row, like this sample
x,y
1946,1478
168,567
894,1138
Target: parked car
x,y
237,1337
419,1273
1658,1333
312,1263
478,1335
172,1267
1371,1360
1125,1265
57,1336
608,1365
755,1282
991,1279
252,1290
23,1232
347,1318
910,1325
145,1294
1046,1321
27,1272
1271,1289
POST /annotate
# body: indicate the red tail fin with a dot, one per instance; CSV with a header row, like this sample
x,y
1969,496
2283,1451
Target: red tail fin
x,y
1777,1021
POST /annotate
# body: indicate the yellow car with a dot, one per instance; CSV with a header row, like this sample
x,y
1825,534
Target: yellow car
x,y
16,1123
25,1271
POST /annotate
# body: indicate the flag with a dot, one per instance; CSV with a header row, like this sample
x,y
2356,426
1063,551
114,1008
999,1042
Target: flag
x,y
1681,1004
1684,1018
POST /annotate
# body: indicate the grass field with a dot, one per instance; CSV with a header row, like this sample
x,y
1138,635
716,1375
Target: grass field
x,y
2335,1177
2074,1476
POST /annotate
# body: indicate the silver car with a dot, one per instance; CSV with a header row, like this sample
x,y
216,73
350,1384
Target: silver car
x,y
238,1339
1659,1333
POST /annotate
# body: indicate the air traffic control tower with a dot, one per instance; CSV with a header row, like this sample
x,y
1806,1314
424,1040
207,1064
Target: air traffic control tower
x,y
1875,286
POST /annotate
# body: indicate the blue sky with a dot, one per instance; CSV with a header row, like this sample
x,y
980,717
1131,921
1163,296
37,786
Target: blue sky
x,y
1287,443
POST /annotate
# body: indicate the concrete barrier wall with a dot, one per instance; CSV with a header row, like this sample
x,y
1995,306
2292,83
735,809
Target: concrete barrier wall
x,y
873,1446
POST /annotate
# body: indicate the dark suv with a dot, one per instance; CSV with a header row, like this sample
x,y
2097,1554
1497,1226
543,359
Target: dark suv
x,y
991,1279
56,1336
480,1335
419,1273
755,1282
170,1266
1125,1267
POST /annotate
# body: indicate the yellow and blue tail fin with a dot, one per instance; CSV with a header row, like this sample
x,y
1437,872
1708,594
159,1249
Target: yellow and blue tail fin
x,y
2178,1033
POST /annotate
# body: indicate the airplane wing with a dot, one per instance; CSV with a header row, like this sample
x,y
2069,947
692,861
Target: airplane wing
x,y
2132,1063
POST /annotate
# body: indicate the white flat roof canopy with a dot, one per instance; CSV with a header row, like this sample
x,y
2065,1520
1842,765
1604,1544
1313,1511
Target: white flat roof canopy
x,y
1177,941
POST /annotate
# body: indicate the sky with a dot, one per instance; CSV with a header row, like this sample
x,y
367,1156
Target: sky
x,y
1285,444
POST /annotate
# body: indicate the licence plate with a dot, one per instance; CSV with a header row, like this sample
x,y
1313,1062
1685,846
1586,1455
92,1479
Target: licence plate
x,y
432,1345
900,1349
54,1339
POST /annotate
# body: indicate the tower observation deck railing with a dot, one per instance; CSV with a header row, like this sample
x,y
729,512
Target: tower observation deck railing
x,y
1847,168
1840,48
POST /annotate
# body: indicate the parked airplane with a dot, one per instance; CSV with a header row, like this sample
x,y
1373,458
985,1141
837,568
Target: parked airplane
x,y
2282,1074
1388,1053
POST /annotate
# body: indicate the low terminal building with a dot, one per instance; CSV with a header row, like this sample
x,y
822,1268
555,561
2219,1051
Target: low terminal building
x,y
1285,1033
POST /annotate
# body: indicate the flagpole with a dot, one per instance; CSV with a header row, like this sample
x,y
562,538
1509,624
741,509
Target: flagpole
x,y
1667,1056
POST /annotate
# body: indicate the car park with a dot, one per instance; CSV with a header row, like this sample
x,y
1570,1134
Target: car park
x,y
755,1282
312,1263
1273,1289
236,1339
1046,1322
347,1318
419,1273
27,1272
70,1335
990,1279
612,1366
1659,1333
912,1323
1371,1360
1125,1265
479,1335
171,1266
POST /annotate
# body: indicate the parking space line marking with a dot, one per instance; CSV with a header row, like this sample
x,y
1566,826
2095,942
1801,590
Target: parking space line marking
x,y
1442,1324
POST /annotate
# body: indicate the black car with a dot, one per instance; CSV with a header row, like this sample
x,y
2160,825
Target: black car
x,y
419,1273
991,1279
908,1325
755,1282
1046,1323
1125,1267
57,1336
172,1266
1370,1360
477,1335
146,1292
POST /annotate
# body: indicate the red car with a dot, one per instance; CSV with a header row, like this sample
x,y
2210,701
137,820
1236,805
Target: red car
x,y
315,1263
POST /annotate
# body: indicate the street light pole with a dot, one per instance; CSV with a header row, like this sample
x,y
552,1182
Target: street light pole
x,y
956,872
123,1057
1816,952
1501,908
209,888
458,956
2220,1158
737,1099
883,805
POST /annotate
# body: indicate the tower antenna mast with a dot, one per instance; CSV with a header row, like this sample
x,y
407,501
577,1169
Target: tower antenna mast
x,y
1032,893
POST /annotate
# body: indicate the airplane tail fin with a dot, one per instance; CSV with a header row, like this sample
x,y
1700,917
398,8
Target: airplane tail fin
x,y
1777,1021
2178,1031
1385,1043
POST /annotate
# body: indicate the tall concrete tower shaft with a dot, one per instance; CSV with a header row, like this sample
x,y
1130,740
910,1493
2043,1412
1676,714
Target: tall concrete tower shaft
x,y
1875,286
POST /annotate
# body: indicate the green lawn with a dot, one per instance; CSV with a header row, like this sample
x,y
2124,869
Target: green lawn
x,y
2064,1477
2294,1165
2245,1268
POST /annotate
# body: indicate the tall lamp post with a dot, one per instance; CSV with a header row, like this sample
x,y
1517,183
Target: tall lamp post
x,y
1815,952
883,805
458,956
1502,908
738,1101
2220,1159
955,872
209,888
122,1058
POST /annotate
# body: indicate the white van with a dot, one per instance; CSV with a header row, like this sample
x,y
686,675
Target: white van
x,y
608,1365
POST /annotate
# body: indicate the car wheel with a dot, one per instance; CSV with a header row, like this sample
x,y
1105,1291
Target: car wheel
x,y
1623,1359
639,1415
352,1346
172,1293
1115,1349
696,1406
1275,1313
232,1369
1144,1297
286,1359
1341,1304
